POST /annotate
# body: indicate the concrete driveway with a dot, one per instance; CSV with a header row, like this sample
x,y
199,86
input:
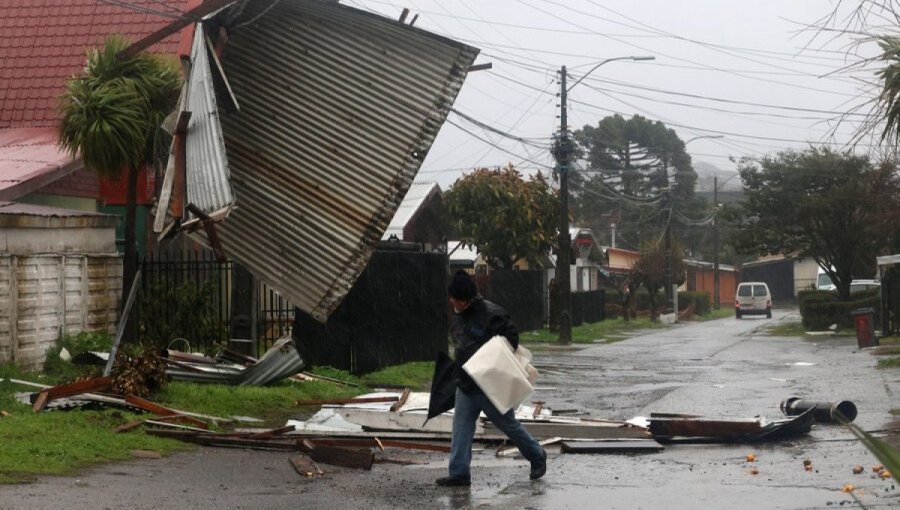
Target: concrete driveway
x,y
725,368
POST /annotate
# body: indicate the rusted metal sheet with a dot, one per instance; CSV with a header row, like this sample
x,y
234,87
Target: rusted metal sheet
x,y
338,109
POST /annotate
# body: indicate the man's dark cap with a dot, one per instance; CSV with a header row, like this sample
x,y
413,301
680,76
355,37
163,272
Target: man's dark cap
x,y
462,286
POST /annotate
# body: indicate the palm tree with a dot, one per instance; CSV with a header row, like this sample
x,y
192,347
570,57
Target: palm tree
x,y
112,113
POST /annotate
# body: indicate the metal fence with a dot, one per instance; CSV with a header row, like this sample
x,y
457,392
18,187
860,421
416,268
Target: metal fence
x,y
395,313
187,294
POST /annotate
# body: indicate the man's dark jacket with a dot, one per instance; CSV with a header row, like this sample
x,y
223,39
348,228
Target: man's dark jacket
x,y
472,328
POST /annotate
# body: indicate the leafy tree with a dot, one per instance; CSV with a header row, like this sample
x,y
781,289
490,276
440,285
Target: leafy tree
x,y
651,270
835,207
631,164
112,113
505,216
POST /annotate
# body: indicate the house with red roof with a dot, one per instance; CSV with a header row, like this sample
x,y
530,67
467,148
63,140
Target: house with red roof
x,y
42,44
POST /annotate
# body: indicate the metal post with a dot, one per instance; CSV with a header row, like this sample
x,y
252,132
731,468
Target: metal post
x,y
563,256
716,297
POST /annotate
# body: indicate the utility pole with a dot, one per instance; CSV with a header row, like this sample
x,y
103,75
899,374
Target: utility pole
x,y
716,297
563,149
562,152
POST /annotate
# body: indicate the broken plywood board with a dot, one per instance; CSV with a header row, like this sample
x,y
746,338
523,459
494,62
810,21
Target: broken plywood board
x,y
611,446
356,458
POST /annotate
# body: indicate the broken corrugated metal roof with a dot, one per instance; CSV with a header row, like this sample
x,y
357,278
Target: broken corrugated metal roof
x,y
332,129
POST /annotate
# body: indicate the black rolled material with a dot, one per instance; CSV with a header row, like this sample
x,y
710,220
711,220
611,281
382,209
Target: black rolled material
x,y
825,412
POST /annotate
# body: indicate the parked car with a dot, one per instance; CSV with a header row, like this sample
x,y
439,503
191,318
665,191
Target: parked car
x,y
861,285
752,298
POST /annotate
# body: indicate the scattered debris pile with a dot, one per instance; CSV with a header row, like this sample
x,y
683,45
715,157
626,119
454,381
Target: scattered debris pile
x,y
233,368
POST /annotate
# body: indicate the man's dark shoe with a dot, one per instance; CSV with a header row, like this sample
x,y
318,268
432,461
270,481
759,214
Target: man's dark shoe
x,y
454,481
539,467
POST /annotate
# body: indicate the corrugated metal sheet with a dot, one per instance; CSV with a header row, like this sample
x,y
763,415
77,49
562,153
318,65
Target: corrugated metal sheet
x,y
206,175
338,109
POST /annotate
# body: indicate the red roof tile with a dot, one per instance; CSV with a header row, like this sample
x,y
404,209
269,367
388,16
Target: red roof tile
x,y
29,159
43,43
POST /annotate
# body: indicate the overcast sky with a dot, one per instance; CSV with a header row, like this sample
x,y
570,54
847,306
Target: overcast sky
x,y
743,70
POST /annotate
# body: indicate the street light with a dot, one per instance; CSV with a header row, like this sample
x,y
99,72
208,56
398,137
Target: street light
x,y
671,292
562,151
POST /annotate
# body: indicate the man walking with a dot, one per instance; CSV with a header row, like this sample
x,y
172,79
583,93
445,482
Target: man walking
x,y
476,321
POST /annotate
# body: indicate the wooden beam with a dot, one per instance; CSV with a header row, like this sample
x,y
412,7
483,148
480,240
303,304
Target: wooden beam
x,y
613,446
340,401
189,17
403,398
155,408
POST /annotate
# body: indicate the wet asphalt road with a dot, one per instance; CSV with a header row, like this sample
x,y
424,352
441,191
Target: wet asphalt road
x,y
724,368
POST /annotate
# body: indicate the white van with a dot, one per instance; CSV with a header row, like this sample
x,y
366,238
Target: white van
x,y
823,281
752,298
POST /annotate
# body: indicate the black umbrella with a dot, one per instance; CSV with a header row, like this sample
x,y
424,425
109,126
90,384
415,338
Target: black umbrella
x,y
443,386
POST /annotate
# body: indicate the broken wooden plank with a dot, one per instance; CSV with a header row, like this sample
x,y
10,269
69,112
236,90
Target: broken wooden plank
x,y
381,444
131,425
337,456
400,461
272,433
179,428
509,451
68,390
155,408
343,401
305,466
581,430
211,439
41,401
703,427
402,400
611,446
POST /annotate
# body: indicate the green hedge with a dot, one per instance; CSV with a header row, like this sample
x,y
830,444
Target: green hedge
x,y
699,299
820,312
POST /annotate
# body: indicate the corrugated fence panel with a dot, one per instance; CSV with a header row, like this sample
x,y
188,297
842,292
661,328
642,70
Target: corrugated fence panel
x,y
338,110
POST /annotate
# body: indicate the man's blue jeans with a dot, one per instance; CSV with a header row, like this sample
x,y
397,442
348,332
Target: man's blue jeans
x,y
465,417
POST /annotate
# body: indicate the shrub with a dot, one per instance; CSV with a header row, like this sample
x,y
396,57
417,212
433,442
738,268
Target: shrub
x,y
819,315
699,299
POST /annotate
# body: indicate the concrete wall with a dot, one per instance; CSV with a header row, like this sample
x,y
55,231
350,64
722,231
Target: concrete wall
x,y
45,296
